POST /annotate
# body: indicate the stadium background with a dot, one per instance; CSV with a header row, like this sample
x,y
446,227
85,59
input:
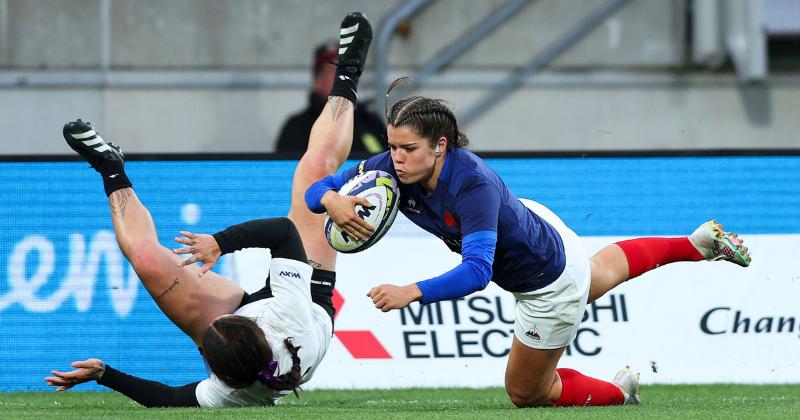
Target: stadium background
x,y
714,83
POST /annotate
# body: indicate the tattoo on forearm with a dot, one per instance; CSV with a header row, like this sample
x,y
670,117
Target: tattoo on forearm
x,y
119,201
314,264
339,105
172,286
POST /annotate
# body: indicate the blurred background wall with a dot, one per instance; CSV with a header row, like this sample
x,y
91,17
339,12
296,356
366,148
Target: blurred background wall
x,y
221,76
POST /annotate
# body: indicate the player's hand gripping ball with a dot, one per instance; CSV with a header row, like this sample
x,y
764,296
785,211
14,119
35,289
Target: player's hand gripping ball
x,y
382,191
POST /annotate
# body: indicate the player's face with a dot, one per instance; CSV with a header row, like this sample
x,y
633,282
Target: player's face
x,y
412,156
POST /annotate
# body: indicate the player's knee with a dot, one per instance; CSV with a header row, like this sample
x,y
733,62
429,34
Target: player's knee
x,y
601,272
145,259
318,165
529,397
610,264
597,265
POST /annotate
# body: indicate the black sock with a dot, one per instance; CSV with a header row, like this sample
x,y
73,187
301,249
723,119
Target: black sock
x,y
114,177
345,84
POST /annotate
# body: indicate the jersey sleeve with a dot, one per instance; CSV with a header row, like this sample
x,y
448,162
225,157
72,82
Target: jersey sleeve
x,y
473,274
279,234
149,393
477,208
314,193
290,281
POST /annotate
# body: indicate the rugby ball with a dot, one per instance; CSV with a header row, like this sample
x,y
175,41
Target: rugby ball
x,y
381,190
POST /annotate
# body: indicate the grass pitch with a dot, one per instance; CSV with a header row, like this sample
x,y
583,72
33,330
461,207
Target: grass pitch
x,y
659,401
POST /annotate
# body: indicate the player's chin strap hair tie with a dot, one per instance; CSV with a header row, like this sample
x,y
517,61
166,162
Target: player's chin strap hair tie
x,y
267,375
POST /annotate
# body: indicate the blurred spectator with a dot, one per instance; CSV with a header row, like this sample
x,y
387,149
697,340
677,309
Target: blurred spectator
x,y
369,134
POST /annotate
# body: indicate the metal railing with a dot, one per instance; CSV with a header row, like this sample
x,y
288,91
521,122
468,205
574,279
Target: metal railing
x,y
474,35
540,60
742,40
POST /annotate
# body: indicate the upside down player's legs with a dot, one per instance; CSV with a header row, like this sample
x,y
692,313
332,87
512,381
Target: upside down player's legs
x,y
328,147
191,302
331,137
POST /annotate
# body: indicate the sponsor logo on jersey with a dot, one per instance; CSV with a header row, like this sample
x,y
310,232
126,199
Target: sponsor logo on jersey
x,y
411,206
290,274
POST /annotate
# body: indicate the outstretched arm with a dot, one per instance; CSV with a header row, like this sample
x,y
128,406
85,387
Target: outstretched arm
x,y
476,209
278,234
321,197
146,393
473,274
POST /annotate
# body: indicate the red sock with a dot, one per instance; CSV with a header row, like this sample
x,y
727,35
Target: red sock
x,y
579,389
645,254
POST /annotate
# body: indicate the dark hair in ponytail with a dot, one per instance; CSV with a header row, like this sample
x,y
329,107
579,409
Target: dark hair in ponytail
x,y
237,352
427,117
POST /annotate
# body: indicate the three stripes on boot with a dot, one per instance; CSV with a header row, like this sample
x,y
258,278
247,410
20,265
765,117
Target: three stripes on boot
x,y
92,139
344,41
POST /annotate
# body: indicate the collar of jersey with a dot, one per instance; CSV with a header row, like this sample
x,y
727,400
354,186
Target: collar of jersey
x,y
445,174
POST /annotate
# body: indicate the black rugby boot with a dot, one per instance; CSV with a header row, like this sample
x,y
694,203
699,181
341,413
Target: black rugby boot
x,y
355,37
82,138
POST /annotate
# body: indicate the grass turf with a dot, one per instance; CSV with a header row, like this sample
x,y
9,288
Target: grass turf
x,y
659,401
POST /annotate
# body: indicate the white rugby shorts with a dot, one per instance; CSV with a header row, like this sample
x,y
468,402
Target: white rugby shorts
x,y
548,318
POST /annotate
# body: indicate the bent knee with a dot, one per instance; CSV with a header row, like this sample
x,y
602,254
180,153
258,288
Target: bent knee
x,y
318,165
149,259
530,398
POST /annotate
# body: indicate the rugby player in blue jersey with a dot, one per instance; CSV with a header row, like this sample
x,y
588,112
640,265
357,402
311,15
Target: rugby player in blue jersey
x,y
260,346
519,244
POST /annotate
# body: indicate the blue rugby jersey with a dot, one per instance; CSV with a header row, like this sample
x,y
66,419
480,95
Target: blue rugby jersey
x,y
470,206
